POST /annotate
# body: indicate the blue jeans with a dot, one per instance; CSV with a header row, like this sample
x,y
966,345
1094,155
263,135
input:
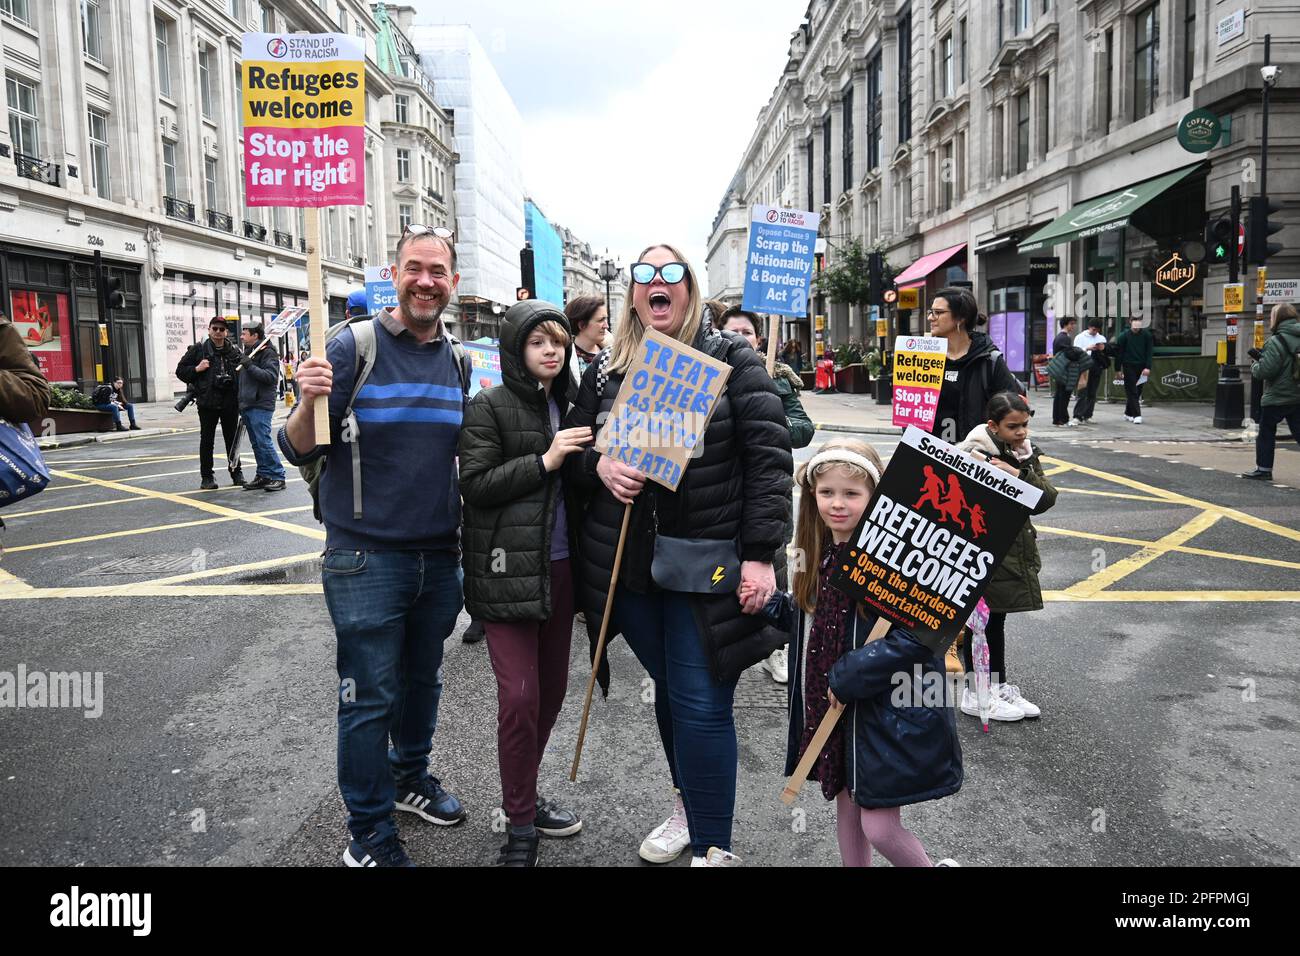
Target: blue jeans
x,y
117,416
257,422
1270,416
392,610
696,724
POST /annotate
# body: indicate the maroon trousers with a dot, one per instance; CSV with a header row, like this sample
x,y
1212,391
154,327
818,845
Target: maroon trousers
x,y
531,663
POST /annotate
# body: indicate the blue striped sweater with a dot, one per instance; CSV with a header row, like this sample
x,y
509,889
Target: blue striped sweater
x,y
408,416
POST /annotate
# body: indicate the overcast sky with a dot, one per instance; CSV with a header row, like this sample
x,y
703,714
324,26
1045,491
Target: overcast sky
x,y
635,114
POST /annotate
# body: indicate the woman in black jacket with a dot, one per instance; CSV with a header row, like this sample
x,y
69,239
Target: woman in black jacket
x,y
516,541
735,489
975,371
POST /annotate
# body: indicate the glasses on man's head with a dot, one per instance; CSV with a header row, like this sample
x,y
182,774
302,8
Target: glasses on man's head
x,y
643,273
438,232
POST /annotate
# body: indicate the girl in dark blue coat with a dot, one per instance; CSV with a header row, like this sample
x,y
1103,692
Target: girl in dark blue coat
x,y
890,749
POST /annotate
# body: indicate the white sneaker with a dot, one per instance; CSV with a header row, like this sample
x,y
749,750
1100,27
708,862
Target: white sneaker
x,y
1128,418
716,857
1002,709
1137,420
778,666
667,841
947,861
1011,694
1076,422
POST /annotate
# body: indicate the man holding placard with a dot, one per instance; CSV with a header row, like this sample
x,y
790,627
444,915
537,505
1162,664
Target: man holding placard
x,y
687,485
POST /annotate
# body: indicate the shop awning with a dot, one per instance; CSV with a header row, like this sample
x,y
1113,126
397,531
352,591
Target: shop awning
x,y
922,267
1111,211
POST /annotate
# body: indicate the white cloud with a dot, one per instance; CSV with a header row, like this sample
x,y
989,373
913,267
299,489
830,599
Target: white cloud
x,y
635,115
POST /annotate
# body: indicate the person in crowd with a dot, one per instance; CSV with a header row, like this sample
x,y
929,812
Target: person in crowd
x,y
259,376
516,503
1093,343
975,369
112,399
1004,443
825,380
1135,347
211,367
792,354
877,760
24,392
734,490
801,434
1067,364
357,304
392,578
589,318
1277,365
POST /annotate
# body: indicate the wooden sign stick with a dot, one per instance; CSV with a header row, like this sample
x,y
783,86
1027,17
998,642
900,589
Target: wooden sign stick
x,y
600,643
795,783
316,312
773,330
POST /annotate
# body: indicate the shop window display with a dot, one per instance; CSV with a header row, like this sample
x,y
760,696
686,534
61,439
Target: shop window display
x,y
42,320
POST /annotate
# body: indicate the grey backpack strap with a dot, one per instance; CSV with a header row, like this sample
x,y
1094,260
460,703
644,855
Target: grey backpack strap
x,y
367,347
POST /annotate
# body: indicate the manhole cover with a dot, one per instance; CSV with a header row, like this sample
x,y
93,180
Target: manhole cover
x,y
150,564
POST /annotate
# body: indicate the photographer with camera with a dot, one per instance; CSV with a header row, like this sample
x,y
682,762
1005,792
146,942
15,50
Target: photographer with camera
x,y
210,369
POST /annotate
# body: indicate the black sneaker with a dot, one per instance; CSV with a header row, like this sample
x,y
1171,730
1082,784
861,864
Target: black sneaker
x,y
428,800
258,482
377,851
134,427
209,483
474,633
275,484
519,851
237,479
553,820
1259,475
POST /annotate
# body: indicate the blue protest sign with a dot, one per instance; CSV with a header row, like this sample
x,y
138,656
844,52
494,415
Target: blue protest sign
x,y
779,263
484,366
668,395
380,291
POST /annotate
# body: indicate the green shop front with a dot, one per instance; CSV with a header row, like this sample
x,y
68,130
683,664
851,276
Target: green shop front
x,y
1136,252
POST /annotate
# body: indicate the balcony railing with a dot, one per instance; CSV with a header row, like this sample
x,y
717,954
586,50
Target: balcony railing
x,y
435,196
220,220
283,240
302,245
178,208
29,167
254,230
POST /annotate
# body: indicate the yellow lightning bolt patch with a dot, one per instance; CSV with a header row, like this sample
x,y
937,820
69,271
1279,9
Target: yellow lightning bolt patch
x,y
717,575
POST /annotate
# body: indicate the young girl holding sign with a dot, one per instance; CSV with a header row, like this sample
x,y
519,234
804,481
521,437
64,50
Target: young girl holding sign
x,y
1004,442
517,571
882,755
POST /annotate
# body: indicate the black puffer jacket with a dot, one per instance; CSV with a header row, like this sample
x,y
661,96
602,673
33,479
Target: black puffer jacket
x,y
981,373
510,499
737,489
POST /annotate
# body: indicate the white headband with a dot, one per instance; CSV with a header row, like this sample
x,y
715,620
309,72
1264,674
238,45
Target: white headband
x,y
843,456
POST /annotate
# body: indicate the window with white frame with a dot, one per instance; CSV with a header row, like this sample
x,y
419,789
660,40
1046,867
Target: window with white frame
x,y
90,44
239,97
206,97
403,165
1024,15
1146,67
405,215
268,18
24,122
169,168
162,49
402,106
236,9
98,126
17,10
210,183
947,73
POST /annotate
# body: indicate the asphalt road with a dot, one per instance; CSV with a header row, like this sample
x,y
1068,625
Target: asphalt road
x,y
1168,682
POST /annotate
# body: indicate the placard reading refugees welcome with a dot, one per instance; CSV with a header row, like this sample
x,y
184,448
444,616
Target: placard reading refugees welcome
x,y
779,263
484,366
304,119
918,377
657,422
937,527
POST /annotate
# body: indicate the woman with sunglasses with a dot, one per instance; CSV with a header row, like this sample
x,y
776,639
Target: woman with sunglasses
x,y
734,489
975,371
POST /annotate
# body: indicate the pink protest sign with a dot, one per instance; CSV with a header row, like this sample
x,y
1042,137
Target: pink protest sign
x,y
918,377
304,119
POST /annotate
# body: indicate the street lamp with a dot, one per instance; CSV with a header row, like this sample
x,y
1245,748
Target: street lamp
x,y
609,272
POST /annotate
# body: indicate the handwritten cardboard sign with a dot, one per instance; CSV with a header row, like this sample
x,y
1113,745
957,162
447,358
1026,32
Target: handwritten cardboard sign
x,y
667,398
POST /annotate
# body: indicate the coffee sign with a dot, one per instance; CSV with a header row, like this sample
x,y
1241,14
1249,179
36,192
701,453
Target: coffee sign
x,y
1199,131
1175,274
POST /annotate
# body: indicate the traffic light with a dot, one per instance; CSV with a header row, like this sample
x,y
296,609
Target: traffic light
x,y
113,293
1218,239
1258,248
876,273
